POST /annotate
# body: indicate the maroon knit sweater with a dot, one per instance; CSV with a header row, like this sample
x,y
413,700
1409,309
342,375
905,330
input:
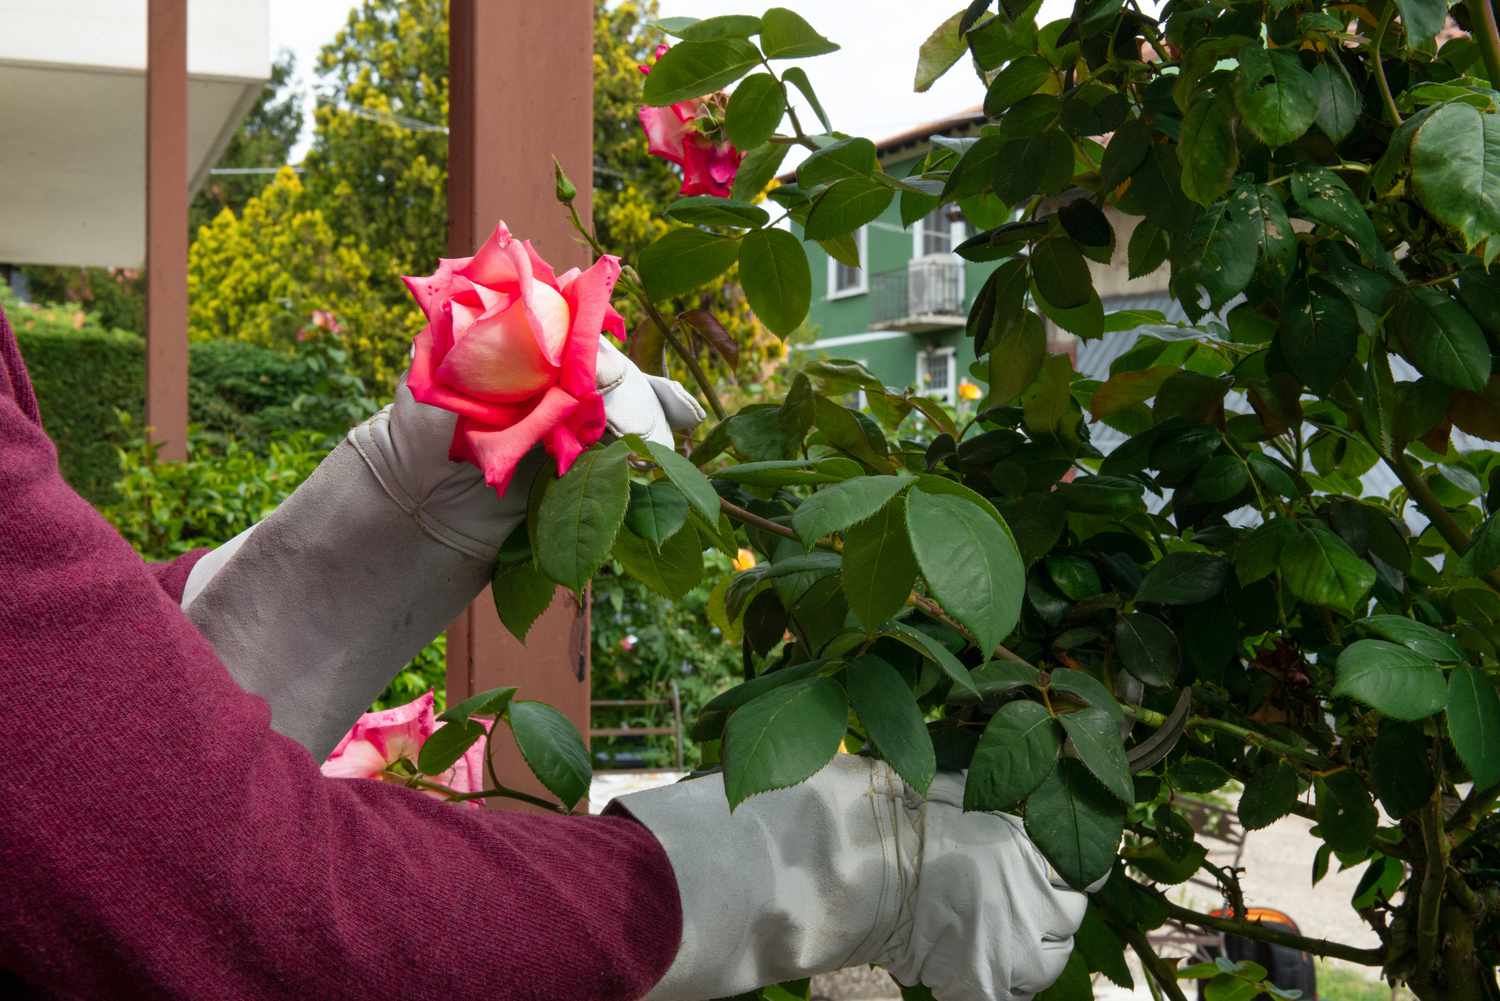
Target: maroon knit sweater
x,y
158,840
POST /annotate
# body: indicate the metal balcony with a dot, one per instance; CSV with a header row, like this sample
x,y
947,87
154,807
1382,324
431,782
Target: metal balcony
x,y
927,294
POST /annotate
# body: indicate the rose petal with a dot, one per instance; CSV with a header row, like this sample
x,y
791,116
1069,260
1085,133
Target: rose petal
x,y
540,269
422,380
588,295
553,317
355,759
664,133
496,451
500,359
708,168
431,291
502,263
614,323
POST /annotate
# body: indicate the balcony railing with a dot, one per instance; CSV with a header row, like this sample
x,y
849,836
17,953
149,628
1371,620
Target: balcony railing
x,y
926,294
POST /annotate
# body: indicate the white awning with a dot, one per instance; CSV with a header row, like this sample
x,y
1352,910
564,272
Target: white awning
x,y
73,119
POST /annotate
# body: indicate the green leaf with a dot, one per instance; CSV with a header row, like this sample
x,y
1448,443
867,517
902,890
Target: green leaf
x,y
1208,150
939,52
1346,817
1474,724
1220,478
1434,644
671,569
1400,768
1126,152
1095,737
1020,78
1101,948
553,750
723,26
790,472
1184,579
1198,775
694,69
1398,682
1016,357
1276,243
1423,19
757,169
783,737
1061,273
1455,161
1147,250
1089,227
684,476
492,702
1339,101
933,651
1440,337
797,77
1318,334
846,206
1218,256
1147,648
970,562
656,512
837,507
1086,689
682,259
581,513
446,745
785,35
707,210
891,717
1322,196
1483,554
1270,793
755,109
776,278
1039,164
1277,98
999,677
1017,751
1319,568
851,431
844,159
522,593
1075,823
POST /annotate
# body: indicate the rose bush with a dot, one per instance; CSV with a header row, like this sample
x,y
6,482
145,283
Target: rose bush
x,y
1099,638
511,348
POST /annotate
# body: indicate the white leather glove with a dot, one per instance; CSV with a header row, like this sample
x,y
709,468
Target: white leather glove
x,y
853,867
316,608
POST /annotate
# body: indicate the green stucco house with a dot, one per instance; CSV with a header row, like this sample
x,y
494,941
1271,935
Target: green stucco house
x,y
902,314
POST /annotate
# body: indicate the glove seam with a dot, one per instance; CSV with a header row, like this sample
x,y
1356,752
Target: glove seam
x,y
414,509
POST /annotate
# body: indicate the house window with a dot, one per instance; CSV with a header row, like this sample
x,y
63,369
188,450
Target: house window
x,y
937,373
844,280
938,232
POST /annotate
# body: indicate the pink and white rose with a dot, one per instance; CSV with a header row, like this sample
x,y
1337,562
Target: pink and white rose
x,y
380,739
511,348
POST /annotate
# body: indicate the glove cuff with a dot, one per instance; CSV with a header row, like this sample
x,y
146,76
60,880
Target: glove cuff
x,y
803,880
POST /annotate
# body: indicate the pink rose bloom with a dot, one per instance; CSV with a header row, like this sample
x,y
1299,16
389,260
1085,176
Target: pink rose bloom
x,y
511,348
380,739
675,134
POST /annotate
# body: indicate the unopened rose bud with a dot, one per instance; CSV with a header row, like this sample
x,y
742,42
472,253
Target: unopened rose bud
x,y
565,190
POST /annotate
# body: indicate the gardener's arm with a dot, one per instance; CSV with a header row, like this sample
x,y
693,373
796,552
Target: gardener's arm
x,y
160,840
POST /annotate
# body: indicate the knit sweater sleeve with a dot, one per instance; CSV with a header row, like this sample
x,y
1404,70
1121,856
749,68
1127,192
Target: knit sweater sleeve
x,y
160,840
172,576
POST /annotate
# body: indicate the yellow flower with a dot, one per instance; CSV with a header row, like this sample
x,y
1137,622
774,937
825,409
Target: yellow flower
x,y
744,560
969,391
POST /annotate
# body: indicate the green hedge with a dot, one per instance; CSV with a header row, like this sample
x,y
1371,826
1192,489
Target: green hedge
x,y
82,378
239,392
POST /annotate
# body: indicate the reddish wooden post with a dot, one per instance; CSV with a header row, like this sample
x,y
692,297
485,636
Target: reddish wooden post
x,y
521,91
166,226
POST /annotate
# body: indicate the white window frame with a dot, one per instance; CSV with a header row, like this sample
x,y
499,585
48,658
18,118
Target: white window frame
x,y
960,232
949,395
862,237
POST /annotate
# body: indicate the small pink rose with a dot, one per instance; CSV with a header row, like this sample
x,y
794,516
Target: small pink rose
x,y
379,740
511,348
676,134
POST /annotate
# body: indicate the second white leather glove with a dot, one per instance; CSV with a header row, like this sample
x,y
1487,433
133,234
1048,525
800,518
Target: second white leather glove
x,y
316,608
853,867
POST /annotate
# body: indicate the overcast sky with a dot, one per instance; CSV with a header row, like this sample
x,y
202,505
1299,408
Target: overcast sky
x,y
865,87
